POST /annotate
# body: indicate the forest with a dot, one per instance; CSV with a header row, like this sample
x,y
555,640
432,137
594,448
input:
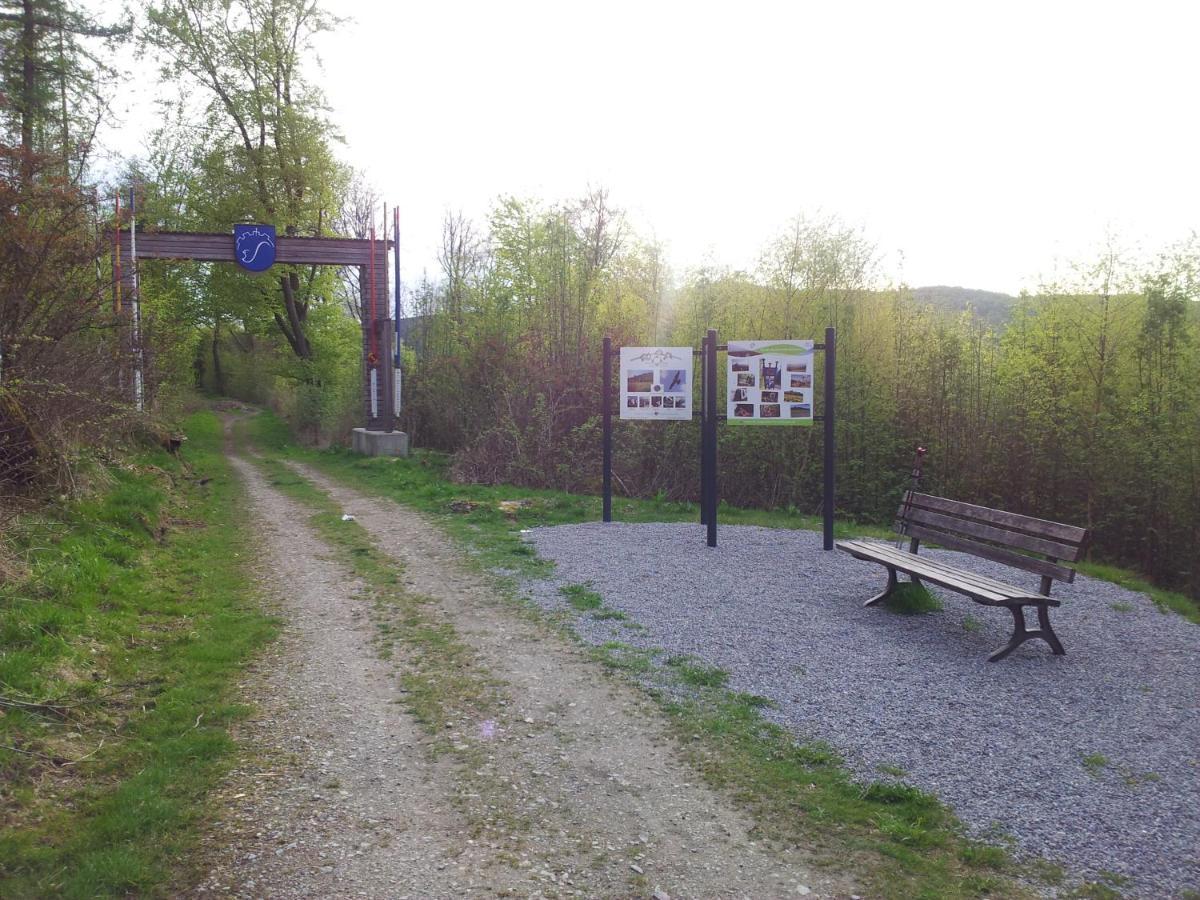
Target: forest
x,y
1079,402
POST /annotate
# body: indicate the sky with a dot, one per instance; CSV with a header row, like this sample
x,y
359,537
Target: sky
x,y
982,145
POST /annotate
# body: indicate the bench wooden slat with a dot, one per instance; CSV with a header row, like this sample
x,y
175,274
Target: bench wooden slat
x,y
995,554
992,533
928,570
986,589
1069,534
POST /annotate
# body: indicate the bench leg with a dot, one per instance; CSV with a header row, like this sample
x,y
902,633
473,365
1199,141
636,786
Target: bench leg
x,y
1047,633
887,591
1021,633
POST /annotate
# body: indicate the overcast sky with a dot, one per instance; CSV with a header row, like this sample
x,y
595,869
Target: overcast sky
x,y
976,144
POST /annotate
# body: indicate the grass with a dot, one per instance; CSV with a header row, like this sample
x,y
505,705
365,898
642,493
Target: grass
x,y
1166,601
911,599
117,656
581,597
1095,763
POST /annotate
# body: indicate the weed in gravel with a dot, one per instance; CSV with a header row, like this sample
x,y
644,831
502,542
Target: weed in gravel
x,y
581,597
1121,606
609,615
911,599
888,769
970,623
695,673
1095,763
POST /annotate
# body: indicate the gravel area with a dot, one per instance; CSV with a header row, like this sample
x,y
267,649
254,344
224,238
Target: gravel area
x,y
1091,759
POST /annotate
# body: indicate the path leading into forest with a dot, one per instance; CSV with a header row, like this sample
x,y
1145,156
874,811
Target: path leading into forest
x,y
569,786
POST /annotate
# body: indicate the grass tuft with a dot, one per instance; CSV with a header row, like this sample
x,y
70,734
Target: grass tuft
x,y
581,597
912,600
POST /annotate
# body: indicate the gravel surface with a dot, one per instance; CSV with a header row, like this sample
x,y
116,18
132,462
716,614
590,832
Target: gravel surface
x,y
1091,759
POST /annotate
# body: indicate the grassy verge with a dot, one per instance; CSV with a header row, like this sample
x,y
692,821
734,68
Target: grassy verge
x,y
901,841
1165,600
116,659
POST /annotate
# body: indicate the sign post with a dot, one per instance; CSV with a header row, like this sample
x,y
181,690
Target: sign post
x,y
606,400
710,433
827,499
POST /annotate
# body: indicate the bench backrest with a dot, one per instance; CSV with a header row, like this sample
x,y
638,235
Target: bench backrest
x,y
993,534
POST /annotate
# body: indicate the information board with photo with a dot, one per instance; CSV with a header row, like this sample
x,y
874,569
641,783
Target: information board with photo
x,y
770,382
656,382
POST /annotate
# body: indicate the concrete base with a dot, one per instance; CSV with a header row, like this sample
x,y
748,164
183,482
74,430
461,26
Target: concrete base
x,y
379,443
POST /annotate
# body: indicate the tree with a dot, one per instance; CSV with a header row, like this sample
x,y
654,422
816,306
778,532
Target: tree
x,y
52,81
268,158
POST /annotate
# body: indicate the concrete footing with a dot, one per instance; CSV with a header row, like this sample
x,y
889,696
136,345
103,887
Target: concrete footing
x,y
379,443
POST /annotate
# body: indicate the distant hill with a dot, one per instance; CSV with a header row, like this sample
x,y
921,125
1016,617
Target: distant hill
x,y
988,305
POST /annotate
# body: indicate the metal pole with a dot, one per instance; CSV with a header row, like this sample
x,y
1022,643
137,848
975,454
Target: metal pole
x,y
710,413
606,400
828,503
703,433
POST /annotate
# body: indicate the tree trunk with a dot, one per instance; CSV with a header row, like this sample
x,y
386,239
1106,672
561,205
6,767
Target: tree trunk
x,y
218,375
28,87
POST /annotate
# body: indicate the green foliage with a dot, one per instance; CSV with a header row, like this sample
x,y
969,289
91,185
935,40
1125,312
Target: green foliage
x,y
1081,406
912,599
1095,763
119,651
695,673
581,597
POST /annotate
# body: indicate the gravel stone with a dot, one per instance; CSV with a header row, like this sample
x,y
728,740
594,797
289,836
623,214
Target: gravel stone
x,y
1091,759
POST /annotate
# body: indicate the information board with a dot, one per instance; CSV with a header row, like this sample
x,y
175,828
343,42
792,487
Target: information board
x,y
770,382
656,383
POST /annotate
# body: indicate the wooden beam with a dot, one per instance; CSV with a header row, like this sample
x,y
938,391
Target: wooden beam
x,y
209,247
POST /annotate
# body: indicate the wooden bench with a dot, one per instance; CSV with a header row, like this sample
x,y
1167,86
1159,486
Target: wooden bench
x,y
993,534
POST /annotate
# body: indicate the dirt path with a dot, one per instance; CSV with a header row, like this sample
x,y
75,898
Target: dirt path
x,y
570,787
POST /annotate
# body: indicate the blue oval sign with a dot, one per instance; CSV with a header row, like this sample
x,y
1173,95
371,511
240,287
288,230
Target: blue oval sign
x,y
254,246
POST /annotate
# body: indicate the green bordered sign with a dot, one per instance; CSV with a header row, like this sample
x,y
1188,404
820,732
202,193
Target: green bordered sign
x,y
770,382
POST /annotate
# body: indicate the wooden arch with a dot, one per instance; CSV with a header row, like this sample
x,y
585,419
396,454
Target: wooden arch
x,y
377,327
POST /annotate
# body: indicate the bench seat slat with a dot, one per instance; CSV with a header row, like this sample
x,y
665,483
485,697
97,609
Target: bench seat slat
x,y
992,533
984,589
995,554
1067,534
931,571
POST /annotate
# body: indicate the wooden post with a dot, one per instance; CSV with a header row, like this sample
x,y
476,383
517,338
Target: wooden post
x,y
710,431
703,432
606,400
828,505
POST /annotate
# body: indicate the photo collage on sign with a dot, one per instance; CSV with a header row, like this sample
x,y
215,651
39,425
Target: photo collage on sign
x,y
656,382
770,382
